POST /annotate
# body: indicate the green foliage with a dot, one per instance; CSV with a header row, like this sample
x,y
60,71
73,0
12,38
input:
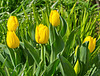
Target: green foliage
x,y
78,19
67,68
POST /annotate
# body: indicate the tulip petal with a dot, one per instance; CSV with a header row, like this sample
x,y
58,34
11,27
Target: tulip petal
x,y
37,34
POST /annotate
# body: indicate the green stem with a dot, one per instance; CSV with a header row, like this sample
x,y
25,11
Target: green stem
x,y
44,57
51,60
42,53
15,57
12,58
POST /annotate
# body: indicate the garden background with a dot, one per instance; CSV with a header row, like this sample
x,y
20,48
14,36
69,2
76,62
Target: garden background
x,y
64,54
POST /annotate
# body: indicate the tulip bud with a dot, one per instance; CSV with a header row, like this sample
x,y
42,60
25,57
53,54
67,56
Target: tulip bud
x,y
92,43
12,23
54,18
41,34
12,40
77,67
76,49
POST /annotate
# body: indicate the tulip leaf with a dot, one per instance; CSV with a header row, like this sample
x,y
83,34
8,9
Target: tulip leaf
x,y
84,52
56,40
51,33
58,44
12,55
64,27
70,41
67,67
5,61
84,56
96,60
50,70
32,51
32,32
26,53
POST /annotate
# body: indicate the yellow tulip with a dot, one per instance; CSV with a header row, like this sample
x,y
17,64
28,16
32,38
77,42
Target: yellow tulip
x,y
12,23
92,43
54,18
77,67
12,40
41,34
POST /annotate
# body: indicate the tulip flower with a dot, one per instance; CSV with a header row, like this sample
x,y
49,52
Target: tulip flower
x,y
12,40
41,34
12,23
54,18
92,43
77,67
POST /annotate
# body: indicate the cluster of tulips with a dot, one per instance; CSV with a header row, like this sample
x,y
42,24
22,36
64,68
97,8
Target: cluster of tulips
x,y
42,34
12,39
91,47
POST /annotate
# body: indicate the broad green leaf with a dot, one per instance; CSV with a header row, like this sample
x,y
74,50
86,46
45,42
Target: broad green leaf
x,y
70,41
51,34
50,70
64,27
84,52
32,31
67,67
32,51
26,54
58,44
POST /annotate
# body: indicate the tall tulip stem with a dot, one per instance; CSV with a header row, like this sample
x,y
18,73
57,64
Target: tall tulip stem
x,y
51,55
44,56
42,53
